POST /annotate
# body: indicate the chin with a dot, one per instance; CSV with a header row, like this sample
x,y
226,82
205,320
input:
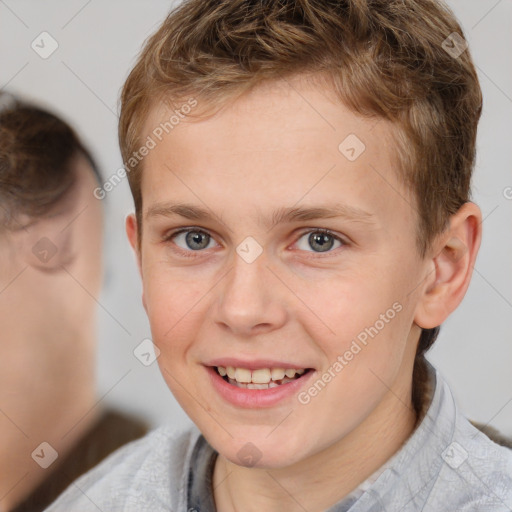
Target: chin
x,y
260,451
250,456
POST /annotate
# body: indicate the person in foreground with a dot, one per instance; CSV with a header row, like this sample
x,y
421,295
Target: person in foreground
x,y
52,429
303,226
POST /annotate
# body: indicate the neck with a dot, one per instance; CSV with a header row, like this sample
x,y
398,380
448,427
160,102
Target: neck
x,y
326,477
52,401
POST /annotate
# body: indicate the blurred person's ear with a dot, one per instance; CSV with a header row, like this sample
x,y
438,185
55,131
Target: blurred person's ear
x,y
452,256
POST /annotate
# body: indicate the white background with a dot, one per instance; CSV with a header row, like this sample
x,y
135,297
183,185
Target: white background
x,y
98,42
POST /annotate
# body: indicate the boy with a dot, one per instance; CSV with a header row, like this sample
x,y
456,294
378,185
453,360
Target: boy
x,y
300,172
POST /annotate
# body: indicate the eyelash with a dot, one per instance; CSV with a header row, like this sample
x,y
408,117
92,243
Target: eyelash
x,y
190,253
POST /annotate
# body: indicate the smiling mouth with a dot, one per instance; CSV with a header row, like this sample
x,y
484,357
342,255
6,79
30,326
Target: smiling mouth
x,y
262,378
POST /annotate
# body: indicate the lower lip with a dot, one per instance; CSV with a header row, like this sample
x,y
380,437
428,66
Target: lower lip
x,y
256,398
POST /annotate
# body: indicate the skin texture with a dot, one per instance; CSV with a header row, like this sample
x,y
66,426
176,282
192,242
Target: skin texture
x,y
48,334
278,147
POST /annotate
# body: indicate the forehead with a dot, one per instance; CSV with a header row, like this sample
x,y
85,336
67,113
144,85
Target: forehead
x,y
283,143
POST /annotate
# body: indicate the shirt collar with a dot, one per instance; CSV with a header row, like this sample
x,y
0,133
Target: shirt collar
x,y
405,480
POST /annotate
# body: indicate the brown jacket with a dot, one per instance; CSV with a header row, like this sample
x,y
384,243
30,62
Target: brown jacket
x,y
111,431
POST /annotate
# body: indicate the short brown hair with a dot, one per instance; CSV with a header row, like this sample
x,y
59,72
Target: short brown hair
x,y
36,152
384,58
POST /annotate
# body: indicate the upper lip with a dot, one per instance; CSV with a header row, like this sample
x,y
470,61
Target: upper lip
x,y
254,364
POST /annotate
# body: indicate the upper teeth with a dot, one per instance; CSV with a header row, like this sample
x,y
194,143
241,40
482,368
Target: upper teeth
x,y
260,376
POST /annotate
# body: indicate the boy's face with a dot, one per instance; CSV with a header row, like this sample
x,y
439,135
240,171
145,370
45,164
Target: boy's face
x,y
214,300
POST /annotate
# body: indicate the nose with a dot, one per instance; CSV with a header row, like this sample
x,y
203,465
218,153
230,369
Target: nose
x,y
250,300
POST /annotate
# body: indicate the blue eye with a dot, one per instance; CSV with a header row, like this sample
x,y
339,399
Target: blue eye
x,y
320,240
194,240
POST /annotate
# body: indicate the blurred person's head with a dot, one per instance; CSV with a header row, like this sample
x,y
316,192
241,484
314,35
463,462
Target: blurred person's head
x,y
50,277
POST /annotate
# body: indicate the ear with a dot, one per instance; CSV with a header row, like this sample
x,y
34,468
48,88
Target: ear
x,y
133,234
133,237
452,258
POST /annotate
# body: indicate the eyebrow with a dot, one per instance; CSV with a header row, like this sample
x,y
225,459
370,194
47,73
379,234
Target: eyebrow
x,y
284,214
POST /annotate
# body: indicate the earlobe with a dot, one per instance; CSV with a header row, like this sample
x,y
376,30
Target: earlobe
x,y
453,257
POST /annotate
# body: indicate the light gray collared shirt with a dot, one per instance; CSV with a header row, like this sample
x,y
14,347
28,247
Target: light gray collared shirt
x,y
446,465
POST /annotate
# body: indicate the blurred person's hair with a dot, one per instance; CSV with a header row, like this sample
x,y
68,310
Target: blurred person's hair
x,y
37,154
383,58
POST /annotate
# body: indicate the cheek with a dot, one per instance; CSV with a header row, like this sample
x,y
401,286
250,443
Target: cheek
x,y
362,364
361,326
175,308
346,305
